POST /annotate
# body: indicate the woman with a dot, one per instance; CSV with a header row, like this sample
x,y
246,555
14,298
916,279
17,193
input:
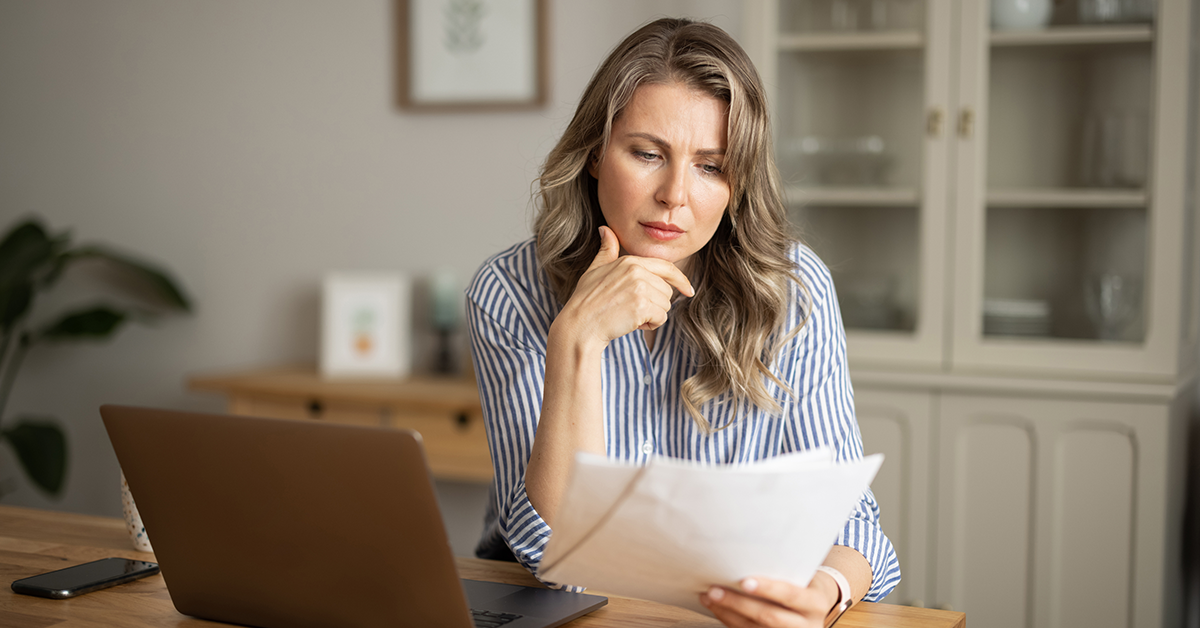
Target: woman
x,y
662,309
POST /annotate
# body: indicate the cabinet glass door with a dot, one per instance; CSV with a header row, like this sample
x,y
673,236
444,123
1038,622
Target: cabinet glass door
x,y
1062,194
1068,164
859,107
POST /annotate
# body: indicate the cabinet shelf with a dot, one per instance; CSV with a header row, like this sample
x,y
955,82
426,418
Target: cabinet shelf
x,y
1059,197
1075,35
828,42
852,196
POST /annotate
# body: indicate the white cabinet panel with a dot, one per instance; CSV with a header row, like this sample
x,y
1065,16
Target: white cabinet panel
x,y
897,424
1051,512
1092,523
986,515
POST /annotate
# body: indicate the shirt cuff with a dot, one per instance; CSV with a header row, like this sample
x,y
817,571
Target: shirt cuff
x,y
526,534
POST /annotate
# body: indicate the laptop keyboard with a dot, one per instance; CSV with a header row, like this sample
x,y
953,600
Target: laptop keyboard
x,y
490,619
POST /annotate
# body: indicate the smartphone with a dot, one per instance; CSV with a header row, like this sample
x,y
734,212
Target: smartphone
x,y
80,579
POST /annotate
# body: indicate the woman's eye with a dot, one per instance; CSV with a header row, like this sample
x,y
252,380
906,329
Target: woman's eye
x,y
648,156
711,169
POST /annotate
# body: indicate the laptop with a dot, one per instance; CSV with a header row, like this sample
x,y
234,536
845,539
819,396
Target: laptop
x,y
283,523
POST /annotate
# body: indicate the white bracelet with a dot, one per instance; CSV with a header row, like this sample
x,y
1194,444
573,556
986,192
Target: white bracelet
x,y
844,596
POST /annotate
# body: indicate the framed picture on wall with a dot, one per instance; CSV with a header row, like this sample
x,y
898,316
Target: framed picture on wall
x,y
471,54
365,325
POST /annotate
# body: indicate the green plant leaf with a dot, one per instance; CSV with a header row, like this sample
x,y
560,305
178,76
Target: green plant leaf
x,y
24,248
24,252
41,448
163,286
15,299
96,323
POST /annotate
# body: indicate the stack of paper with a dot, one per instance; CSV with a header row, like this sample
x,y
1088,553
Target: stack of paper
x,y
668,530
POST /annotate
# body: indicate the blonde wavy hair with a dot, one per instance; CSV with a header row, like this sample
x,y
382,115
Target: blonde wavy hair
x,y
741,276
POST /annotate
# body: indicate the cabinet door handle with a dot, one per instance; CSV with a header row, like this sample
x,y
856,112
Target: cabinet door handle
x,y
933,122
966,123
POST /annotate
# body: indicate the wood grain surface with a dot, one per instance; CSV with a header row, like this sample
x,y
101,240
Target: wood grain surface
x,y
35,541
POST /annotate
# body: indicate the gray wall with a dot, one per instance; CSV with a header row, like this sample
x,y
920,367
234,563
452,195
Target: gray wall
x,y
251,146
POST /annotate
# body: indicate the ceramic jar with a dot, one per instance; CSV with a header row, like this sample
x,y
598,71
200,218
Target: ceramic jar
x,y
133,520
1021,14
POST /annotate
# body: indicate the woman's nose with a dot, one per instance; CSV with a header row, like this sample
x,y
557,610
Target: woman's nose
x,y
673,189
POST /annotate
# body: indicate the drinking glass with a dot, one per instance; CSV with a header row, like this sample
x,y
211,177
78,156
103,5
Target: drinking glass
x,y
1104,11
1115,149
843,15
1112,301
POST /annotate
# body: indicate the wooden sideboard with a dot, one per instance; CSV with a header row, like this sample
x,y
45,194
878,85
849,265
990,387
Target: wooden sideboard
x,y
444,410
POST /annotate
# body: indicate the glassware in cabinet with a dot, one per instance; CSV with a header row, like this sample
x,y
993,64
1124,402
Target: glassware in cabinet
x,y
1064,273
1069,116
871,252
851,119
845,16
859,113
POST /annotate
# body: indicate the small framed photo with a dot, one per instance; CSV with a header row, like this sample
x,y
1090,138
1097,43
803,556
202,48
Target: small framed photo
x,y
472,54
365,325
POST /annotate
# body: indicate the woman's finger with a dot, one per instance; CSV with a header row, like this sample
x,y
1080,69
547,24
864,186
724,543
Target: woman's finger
x,y
669,272
713,600
784,593
610,249
738,609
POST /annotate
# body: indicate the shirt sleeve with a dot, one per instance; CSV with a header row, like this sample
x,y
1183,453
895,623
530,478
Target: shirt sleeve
x,y
510,367
824,416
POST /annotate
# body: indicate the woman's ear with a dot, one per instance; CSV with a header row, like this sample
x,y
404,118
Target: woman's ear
x,y
594,163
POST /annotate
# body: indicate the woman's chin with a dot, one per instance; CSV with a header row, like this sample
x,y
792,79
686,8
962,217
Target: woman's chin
x,y
665,253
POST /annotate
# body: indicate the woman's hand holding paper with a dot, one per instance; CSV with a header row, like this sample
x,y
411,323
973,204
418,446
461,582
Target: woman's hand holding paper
x,y
773,603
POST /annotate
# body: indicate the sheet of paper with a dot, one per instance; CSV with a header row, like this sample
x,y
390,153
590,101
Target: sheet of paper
x,y
668,530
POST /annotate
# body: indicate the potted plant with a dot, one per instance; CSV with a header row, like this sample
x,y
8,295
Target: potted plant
x,y
32,260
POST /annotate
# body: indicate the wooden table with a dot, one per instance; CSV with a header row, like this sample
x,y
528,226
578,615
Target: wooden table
x,y
34,541
445,410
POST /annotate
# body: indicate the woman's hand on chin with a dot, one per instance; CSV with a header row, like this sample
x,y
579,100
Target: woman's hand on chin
x,y
619,294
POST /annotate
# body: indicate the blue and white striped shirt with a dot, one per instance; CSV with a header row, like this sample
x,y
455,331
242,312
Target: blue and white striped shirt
x,y
510,307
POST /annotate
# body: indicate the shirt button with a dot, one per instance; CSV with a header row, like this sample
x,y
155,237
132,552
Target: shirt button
x,y
646,380
648,447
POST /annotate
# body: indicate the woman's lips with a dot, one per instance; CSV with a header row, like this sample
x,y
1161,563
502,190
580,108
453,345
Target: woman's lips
x,y
661,230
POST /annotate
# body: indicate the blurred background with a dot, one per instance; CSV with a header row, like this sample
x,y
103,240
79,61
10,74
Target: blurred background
x,y
252,147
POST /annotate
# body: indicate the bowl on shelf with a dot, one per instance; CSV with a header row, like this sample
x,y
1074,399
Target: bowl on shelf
x,y
868,301
1016,317
1021,14
846,161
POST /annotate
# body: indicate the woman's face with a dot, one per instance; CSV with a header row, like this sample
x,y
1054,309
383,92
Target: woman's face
x,y
661,180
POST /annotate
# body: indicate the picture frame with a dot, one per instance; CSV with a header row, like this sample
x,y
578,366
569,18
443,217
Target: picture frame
x,y
472,54
366,329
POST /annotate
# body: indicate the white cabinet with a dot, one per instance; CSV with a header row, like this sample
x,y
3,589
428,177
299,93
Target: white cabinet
x,y
1032,510
1070,191
1064,504
863,143
897,424
988,200
1010,220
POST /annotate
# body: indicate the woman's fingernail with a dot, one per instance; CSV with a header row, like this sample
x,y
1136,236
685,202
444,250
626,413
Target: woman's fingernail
x,y
749,585
715,594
